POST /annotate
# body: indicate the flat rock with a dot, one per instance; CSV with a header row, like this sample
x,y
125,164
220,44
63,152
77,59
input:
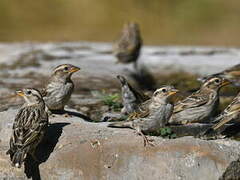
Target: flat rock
x,y
77,149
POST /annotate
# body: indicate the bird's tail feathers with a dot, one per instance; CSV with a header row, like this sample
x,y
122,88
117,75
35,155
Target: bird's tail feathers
x,y
18,158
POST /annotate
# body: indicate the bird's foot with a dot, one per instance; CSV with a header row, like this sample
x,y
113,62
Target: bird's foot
x,y
146,141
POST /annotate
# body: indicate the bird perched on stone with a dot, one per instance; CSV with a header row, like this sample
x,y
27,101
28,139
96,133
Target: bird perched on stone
x,y
131,98
232,74
155,113
201,105
230,114
129,45
29,127
60,87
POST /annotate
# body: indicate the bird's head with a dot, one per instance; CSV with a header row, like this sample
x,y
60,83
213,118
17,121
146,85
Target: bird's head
x,y
30,95
65,71
164,94
215,82
122,79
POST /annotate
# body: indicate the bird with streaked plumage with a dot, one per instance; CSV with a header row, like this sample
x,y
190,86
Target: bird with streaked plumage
x,y
232,74
128,48
60,87
231,114
200,106
154,113
29,127
131,98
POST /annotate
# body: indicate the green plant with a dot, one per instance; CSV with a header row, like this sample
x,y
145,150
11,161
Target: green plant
x,y
112,101
165,132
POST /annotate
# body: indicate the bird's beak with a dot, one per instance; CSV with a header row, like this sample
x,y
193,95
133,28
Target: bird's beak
x,y
172,92
226,82
74,69
20,93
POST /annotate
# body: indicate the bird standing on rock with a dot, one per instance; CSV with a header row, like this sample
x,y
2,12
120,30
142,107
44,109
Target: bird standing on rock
x,y
156,113
60,87
232,74
29,127
129,45
201,105
131,98
230,114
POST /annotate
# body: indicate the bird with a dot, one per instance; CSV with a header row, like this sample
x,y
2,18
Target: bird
x,y
201,105
232,74
230,114
128,47
60,87
155,113
29,127
131,98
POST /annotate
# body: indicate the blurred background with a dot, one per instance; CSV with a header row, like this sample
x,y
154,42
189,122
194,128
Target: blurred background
x,y
162,22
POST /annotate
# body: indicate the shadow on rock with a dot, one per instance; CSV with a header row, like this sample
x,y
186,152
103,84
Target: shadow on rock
x,y
43,151
232,131
73,113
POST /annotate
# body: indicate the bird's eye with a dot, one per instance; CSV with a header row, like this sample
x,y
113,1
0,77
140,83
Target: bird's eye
x,y
164,90
217,81
29,92
65,68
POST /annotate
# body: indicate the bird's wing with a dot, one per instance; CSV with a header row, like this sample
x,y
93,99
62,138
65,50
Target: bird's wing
x,y
144,108
28,126
191,101
141,97
230,113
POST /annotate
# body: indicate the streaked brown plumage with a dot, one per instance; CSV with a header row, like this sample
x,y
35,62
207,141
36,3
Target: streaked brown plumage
x,y
232,74
131,98
201,105
230,114
129,45
60,87
154,114
29,127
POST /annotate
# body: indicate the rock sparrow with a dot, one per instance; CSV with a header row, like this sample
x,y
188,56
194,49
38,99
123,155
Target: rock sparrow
x,y
128,47
155,113
29,127
60,87
131,98
201,105
230,114
232,74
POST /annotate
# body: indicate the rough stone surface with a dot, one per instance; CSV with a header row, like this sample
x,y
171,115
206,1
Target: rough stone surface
x,y
77,149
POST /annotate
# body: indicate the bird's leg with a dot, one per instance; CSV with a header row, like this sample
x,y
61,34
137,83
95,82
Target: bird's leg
x,y
146,141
